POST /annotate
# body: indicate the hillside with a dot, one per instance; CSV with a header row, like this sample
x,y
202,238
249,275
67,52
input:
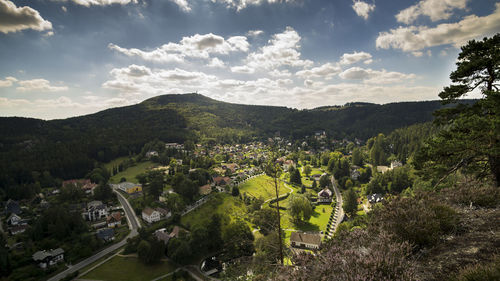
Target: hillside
x,y
68,148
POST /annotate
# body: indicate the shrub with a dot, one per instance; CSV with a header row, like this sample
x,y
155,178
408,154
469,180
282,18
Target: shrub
x,y
421,221
479,272
475,193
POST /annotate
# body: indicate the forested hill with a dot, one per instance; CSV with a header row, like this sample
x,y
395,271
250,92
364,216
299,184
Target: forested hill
x,y
69,147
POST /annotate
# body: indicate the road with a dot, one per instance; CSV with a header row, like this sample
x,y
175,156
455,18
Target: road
x,y
339,211
133,223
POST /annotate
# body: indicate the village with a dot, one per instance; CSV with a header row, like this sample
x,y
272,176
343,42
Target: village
x,y
173,188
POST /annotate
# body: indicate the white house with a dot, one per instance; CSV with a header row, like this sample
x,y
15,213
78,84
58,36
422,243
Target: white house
x,y
150,215
96,210
325,196
395,164
305,240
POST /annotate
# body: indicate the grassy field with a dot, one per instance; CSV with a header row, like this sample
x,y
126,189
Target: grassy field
x,y
133,171
221,203
128,269
262,186
115,162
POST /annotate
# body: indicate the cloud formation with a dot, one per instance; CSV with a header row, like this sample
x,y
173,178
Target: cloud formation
x,y
355,57
41,85
327,71
196,46
371,76
13,18
434,9
9,81
88,3
183,5
242,4
416,38
362,9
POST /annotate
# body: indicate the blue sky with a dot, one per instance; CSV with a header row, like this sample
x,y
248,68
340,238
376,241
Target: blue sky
x,y
62,58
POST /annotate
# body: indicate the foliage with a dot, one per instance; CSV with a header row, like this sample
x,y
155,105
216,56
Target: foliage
x,y
476,193
324,181
238,240
418,220
350,204
295,177
265,219
480,272
300,208
357,256
471,139
307,170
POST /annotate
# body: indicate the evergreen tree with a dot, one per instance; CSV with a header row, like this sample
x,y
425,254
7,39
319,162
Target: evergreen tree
x,y
295,177
357,157
471,137
314,185
350,204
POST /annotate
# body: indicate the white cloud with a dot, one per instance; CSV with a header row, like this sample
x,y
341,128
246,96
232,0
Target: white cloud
x,y
13,19
413,38
434,9
242,69
371,76
363,9
183,4
254,33
64,9
41,85
355,57
196,46
327,71
282,49
217,63
242,4
7,82
88,3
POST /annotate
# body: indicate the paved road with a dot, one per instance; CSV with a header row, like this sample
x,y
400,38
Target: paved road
x,y
339,211
133,224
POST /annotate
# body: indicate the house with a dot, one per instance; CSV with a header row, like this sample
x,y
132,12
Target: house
x,y
12,207
231,166
221,181
382,169
106,234
325,196
128,187
164,213
85,184
287,164
316,177
395,164
150,215
375,198
163,235
305,240
114,220
355,174
48,258
96,210
17,229
174,145
13,219
151,153
205,189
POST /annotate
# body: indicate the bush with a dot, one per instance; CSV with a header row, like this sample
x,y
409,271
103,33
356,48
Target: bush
x,y
480,272
421,221
475,193
359,255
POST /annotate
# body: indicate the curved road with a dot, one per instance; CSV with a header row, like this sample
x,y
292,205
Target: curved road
x,y
133,223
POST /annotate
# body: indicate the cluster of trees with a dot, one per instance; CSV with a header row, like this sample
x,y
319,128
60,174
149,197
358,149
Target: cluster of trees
x,y
148,248
393,181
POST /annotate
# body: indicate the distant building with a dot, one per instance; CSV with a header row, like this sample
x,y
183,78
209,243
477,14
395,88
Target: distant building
x,y
128,187
163,235
305,240
325,196
12,207
96,210
106,234
114,220
375,198
355,174
395,164
174,145
45,259
85,184
151,154
150,215
221,181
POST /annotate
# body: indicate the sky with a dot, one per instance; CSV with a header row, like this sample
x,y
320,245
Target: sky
x,y
64,58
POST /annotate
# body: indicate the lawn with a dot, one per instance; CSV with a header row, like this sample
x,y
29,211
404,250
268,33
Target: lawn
x,y
220,203
128,269
133,171
114,163
262,186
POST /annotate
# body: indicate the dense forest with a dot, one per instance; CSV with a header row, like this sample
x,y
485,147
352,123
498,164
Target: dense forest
x,y
70,147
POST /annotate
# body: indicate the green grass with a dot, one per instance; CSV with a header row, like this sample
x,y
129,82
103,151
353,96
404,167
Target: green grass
x,y
115,162
220,203
262,186
133,171
128,269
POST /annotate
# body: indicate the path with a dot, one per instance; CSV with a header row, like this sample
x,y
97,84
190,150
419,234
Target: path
x,y
338,217
133,225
